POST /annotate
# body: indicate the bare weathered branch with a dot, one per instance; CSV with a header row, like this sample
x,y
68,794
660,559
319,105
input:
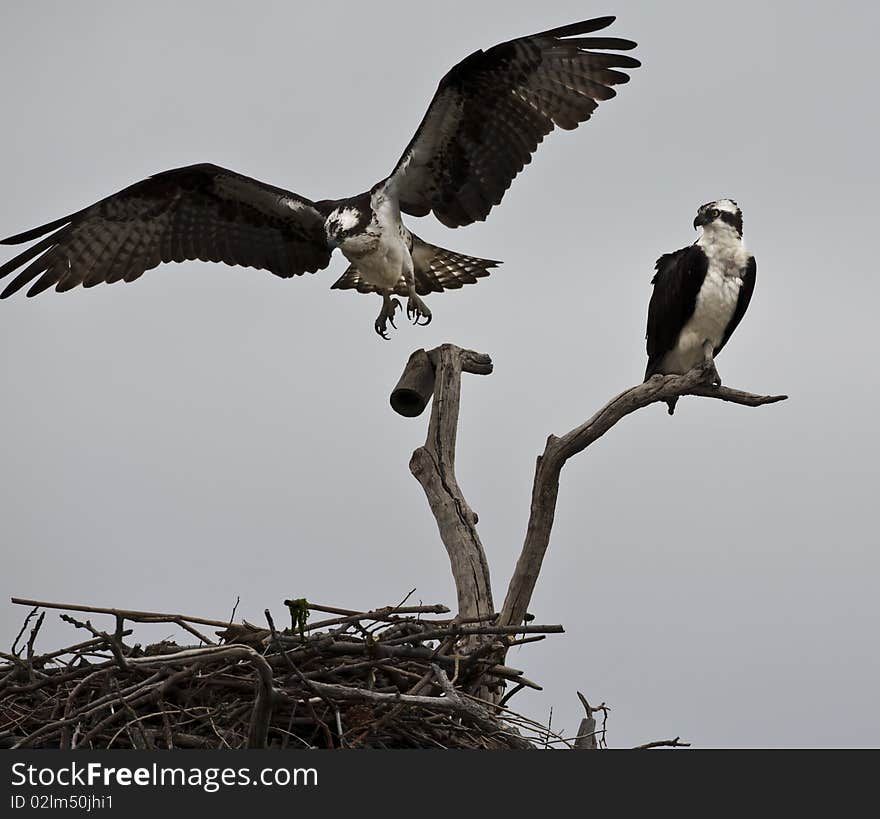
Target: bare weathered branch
x,y
133,615
558,450
433,465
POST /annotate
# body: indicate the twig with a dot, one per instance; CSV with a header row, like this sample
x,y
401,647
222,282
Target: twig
x,y
470,630
262,709
24,626
344,692
194,631
469,705
32,639
112,643
75,649
663,743
436,608
128,614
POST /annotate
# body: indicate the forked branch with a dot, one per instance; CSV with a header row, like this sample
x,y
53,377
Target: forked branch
x,y
438,373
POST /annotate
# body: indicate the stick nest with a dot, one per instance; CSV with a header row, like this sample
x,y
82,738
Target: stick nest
x,y
387,678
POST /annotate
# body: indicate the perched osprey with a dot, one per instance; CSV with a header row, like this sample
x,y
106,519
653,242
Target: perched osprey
x,y
701,293
486,119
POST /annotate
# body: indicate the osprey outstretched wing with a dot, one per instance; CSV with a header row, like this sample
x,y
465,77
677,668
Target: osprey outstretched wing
x,y
200,212
488,116
493,109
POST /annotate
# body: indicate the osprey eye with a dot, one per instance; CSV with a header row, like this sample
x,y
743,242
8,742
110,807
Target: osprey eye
x,y
713,214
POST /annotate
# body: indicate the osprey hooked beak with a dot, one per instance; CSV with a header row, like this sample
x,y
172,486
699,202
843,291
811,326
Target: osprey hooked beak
x,y
705,215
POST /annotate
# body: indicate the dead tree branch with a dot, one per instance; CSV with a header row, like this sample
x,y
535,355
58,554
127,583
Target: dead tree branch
x,y
559,449
438,372
433,465
126,614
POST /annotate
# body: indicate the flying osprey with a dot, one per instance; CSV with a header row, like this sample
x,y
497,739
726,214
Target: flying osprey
x,y
486,119
701,293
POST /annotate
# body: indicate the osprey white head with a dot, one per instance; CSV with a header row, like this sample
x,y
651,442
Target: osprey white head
x,y
722,214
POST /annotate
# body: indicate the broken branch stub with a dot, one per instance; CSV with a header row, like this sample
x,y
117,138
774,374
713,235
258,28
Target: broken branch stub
x,y
416,386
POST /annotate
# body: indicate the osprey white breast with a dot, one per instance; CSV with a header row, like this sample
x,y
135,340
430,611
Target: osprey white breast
x,y
701,293
716,300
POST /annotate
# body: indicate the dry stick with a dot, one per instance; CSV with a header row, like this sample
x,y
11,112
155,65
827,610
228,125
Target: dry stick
x,y
69,717
195,632
30,644
452,702
386,614
166,723
526,640
136,616
380,649
586,735
112,642
469,630
436,608
12,658
142,743
43,658
262,710
55,680
68,710
347,667
293,667
393,712
344,692
24,625
485,618
433,465
558,450
234,609
473,708
426,678
115,716
663,743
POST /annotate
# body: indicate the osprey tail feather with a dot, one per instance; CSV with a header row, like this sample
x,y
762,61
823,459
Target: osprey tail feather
x,y
435,269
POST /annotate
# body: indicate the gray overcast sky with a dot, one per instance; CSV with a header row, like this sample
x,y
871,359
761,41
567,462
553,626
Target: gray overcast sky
x,y
209,431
